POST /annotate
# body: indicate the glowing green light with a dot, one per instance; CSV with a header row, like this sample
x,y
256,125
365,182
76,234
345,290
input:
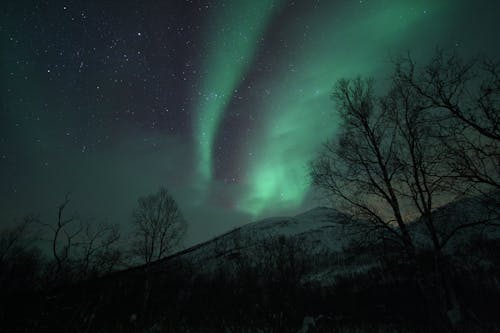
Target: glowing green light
x,y
299,116
232,42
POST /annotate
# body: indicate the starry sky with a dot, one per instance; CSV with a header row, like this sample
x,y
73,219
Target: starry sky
x,y
223,102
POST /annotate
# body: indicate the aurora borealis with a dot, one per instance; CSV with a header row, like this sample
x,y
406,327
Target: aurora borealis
x,y
223,102
231,42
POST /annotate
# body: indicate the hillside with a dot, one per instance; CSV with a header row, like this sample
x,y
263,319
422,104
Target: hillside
x,y
318,236
273,273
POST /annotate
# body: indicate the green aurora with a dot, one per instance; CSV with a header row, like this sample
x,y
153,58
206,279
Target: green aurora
x,y
297,109
225,103
233,38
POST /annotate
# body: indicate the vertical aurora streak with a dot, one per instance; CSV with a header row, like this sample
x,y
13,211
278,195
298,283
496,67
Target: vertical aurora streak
x,y
231,43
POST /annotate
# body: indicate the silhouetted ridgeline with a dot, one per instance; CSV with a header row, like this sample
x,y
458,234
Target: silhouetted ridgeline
x,y
270,275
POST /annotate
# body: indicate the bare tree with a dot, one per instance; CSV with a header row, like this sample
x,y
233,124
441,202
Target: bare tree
x,y
360,166
390,165
466,97
20,259
159,226
18,236
467,94
63,234
98,249
81,249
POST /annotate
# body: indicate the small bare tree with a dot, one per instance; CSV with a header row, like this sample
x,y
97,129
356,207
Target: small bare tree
x,y
159,226
20,259
81,248
98,253
62,239
18,236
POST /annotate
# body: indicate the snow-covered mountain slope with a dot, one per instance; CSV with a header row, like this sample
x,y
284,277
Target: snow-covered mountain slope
x,y
461,221
322,225
323,238
317,239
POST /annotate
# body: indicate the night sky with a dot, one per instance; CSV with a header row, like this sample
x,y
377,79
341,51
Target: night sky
x,y
223,102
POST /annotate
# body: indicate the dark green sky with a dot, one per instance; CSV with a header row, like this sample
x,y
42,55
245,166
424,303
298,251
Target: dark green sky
x,y
222,102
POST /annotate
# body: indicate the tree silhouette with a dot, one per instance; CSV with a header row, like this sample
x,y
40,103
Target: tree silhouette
x,y
11,239
98,252
20,260
394,160
80,248
158,226
63,234
467,95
